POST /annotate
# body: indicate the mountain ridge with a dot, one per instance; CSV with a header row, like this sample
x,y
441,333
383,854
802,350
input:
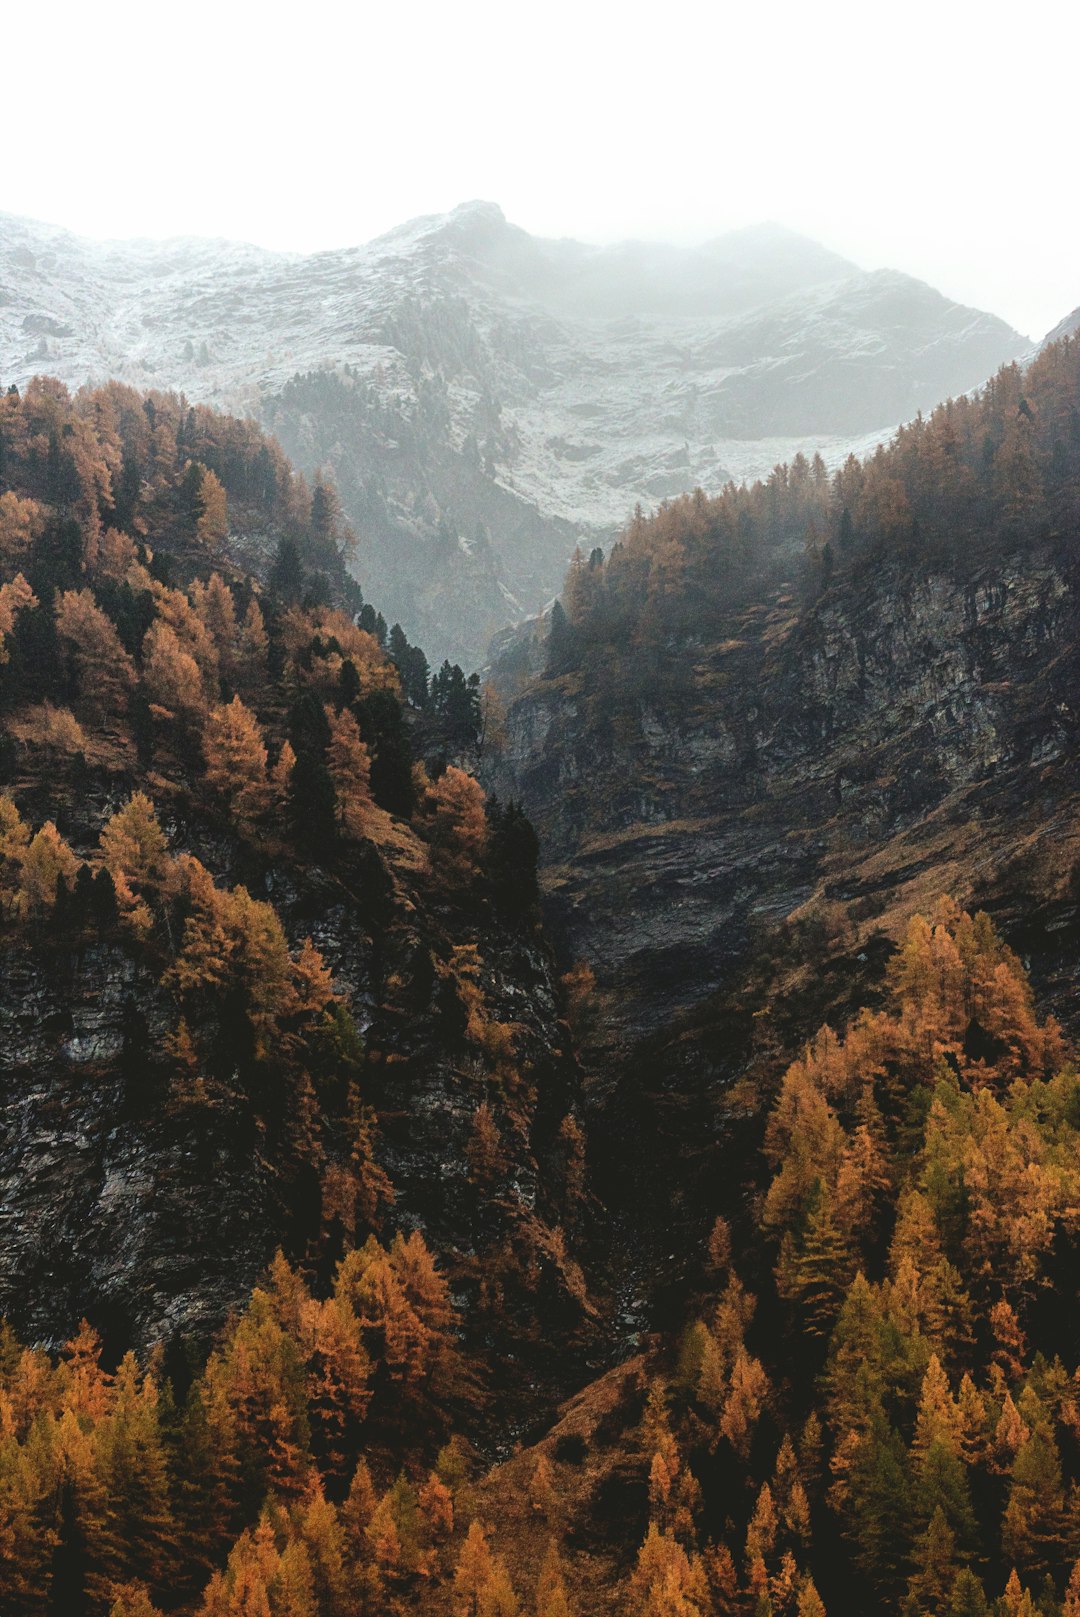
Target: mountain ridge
x,y
466,381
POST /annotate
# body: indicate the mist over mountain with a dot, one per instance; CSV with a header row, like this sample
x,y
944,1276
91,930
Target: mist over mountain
x,y
486,399
596,1140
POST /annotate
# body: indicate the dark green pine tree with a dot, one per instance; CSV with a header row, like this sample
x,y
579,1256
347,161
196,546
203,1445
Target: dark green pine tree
x,y
414,678
398,646
967,1597
325,522
382,728
512,856
879,1512
816,1268
311,809
934,1558
455,705
286,581
559,640
941,1487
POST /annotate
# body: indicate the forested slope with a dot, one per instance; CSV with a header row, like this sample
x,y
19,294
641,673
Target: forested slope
x,y
269,978
291,1111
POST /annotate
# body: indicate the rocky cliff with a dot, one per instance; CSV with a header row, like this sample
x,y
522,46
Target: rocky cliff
x,y
154,1219
801,757
742,796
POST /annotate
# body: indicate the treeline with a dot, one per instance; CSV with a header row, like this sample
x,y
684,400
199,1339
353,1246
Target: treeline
x,y
294,695
250,1492
980,475
111,457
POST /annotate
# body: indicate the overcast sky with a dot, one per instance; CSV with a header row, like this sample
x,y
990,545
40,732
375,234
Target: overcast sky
x,y
935,136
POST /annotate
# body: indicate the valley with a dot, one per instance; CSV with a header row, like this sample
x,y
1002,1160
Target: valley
x,y
600,1142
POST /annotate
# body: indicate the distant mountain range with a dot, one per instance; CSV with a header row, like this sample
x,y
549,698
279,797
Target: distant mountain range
x,y
486,398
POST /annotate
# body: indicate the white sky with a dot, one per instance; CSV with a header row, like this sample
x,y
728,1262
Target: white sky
x,y
935,136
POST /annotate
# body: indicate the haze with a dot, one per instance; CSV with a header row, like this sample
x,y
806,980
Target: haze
x,y
935,139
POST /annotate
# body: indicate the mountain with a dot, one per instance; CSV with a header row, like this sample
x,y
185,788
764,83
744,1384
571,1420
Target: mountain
x,y
726,1267
257,990
487,399
735,739
1064,328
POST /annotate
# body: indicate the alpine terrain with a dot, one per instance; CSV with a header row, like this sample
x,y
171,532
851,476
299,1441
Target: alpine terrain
x,y
486,400
599,1138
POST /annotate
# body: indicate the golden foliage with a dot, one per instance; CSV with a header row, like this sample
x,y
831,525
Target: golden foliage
x,y
349,763
456,828
236,761
105,670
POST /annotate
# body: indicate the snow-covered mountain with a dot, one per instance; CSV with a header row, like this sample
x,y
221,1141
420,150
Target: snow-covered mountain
x,y
486,398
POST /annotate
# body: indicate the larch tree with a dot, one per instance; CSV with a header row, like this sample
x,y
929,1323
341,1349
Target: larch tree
x,y
55,731
349,763
136,855
14,840
235,757
213,602
171,674
281,776
212,522
15,596
21,523
474,1572
252,645
457,828
46,862
133,1600
103,668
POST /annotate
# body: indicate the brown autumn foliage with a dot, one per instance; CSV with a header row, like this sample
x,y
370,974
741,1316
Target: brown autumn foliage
x,y
104,669
349,763
457,827
236,757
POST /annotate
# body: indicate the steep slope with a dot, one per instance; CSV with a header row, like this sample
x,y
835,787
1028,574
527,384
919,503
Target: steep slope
x,y
266,982
304,1000
1064,328
485,398
727,756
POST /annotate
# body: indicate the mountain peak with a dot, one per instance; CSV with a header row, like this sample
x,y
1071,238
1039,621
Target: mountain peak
x,y
477,210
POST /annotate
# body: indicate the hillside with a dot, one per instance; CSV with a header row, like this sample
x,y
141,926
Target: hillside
x,y
268,979
485,398
738,766
809,690
358,1259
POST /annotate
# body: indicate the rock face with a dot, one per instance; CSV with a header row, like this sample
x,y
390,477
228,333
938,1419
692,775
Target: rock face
x,y
485,398
735,835
154,1220
107,1210
903,736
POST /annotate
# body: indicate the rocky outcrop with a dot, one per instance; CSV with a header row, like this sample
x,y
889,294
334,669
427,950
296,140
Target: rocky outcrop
x,y
900,736
735,832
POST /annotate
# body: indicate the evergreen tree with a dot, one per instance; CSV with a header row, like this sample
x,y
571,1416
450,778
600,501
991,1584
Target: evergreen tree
x,y
382,728
286,581
513,853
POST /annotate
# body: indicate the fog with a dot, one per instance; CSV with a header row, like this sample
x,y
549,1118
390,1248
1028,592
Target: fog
x,y
933,138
